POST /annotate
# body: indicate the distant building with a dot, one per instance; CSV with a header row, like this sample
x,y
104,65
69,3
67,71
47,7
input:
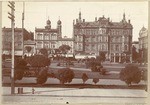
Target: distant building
x,y
48,37
66,41
29,43
143,38
102,35
7,40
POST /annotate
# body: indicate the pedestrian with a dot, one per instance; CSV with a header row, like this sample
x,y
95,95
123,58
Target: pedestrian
x,y
33,90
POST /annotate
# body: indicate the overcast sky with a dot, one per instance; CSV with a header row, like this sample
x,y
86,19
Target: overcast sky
x,y
37,13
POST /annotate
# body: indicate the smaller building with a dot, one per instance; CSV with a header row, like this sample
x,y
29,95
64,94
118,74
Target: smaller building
x,y
29,47
19,38
143,38
48,37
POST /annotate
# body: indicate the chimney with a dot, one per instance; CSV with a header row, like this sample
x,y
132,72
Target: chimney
x,y
129,21
95,18
76,20
108,19
83,20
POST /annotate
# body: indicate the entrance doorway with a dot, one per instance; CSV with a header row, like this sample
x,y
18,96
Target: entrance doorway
x,y
117,58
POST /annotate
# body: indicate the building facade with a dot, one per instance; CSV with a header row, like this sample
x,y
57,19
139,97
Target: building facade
x,y
102,35
143,38
7,40
47,37
51,39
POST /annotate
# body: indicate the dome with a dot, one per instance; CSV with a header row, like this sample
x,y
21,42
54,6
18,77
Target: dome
x,y
143,29
59,22
48,21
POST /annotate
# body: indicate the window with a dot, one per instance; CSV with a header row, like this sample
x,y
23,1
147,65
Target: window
x,y
80,38
39,36
39,45
112,47
103,47
126,47
80,47
46,37
46,45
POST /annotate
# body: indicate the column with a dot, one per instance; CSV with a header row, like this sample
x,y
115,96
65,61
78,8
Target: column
x,y
114,57
119,57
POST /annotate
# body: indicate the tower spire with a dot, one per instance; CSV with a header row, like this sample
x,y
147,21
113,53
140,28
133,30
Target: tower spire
x,y
79,15
124,16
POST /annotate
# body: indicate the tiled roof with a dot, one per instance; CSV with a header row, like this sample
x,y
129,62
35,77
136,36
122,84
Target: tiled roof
x,y
103,22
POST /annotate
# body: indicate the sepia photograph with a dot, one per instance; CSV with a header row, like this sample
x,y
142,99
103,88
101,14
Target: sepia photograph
x,y
74,52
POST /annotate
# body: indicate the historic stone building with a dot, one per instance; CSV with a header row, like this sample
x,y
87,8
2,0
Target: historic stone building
x,y
51,39
7,40
102,35
47,37
143,38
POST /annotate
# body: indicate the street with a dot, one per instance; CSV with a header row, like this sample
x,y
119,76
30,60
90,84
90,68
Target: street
x,y
74,95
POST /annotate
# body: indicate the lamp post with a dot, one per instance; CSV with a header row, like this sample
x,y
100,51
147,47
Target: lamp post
x,y
11,17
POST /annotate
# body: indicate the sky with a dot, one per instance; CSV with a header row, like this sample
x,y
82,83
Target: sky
x,y
37,13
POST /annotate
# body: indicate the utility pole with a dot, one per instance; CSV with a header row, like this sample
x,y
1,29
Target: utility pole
x,y
11,17
23,32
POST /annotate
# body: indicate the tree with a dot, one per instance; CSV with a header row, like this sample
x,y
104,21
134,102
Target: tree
x,y
64,49
84,78
44,52
20,67
134,54
65,75
39,61
95,80
42,76
28,48
130,74
102,56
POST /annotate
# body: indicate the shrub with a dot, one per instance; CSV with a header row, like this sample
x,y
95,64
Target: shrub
x,y
102,71
95,66
58,64
42,76
144,74
20,67
65,75
95,80
130,74
84,78
39,61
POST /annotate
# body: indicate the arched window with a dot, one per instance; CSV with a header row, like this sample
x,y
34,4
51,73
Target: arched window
x,y
103,47
125,47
